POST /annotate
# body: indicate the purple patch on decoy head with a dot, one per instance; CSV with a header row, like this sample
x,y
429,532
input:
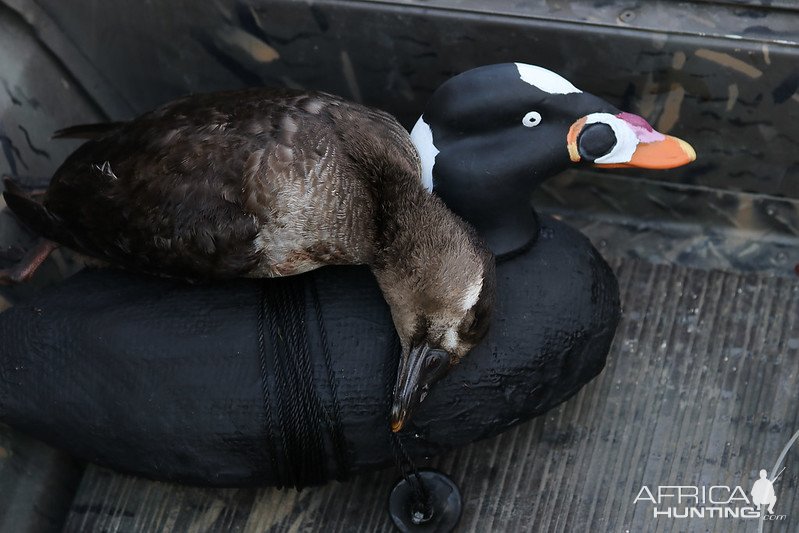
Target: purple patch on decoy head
x,y
643,130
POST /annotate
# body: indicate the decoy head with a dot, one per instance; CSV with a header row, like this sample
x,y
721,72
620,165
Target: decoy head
x,y
489,136
440,285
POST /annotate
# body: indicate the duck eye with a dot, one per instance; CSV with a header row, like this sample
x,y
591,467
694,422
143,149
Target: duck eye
x,y
436,360
531,119
433,363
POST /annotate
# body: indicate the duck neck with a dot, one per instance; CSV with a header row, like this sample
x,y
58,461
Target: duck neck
x,y
505,219
414,226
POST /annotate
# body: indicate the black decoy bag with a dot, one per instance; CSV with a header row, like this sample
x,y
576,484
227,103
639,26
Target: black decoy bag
x,y
287,381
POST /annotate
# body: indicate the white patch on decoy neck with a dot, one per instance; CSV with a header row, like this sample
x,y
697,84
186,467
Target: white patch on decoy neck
x,y
626,139
472,294
546,80
422,138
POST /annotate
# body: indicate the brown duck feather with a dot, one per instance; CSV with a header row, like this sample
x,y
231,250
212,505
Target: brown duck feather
x,y
257,182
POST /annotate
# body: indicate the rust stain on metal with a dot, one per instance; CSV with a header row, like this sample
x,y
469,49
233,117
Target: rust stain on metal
x,y
678,61
671,108
349,75
726,60
659,41
250,44
708,22
646,106
732,96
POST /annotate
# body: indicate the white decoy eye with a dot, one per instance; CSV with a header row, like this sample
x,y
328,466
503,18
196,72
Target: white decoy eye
x,y
531,119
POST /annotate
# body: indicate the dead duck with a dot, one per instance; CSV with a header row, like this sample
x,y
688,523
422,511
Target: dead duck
x,y
491,135
266,183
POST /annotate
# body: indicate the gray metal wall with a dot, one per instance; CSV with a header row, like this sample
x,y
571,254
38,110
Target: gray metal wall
x,y
723,76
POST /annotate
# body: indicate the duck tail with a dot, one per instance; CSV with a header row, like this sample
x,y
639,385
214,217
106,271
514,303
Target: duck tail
x,y
32,213
86,131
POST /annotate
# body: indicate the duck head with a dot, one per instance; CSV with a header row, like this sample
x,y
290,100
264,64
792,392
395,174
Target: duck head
x,y
491,135
440,285
445,328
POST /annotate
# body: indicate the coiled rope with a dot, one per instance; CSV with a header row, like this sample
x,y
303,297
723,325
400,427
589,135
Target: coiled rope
x,y
299,426
297,422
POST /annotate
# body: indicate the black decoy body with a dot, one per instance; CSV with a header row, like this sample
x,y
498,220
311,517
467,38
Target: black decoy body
x,y
491,135
267,183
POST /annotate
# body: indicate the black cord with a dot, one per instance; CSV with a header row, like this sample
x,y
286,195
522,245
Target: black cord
x,y
298,451
270,427
305,410
334,419
287,474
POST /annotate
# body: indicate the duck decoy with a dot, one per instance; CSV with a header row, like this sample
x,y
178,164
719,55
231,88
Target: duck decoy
x,y
489,136
266,183
285,381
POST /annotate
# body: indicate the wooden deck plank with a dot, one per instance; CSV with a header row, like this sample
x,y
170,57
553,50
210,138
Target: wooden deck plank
x,y
700,388
37,484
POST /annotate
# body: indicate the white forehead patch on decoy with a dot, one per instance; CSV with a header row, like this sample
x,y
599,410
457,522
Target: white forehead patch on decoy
x,y
545,80
422,138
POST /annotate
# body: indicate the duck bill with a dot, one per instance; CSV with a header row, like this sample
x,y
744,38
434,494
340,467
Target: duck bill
x,y
419,368
407,390
635,143
671,152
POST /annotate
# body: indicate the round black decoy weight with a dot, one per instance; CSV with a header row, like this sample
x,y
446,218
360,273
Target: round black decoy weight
x,y
441,515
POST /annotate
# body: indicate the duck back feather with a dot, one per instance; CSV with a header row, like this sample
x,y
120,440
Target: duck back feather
x,y
256,182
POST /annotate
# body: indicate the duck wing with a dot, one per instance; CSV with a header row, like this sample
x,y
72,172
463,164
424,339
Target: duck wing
x,y
184,190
